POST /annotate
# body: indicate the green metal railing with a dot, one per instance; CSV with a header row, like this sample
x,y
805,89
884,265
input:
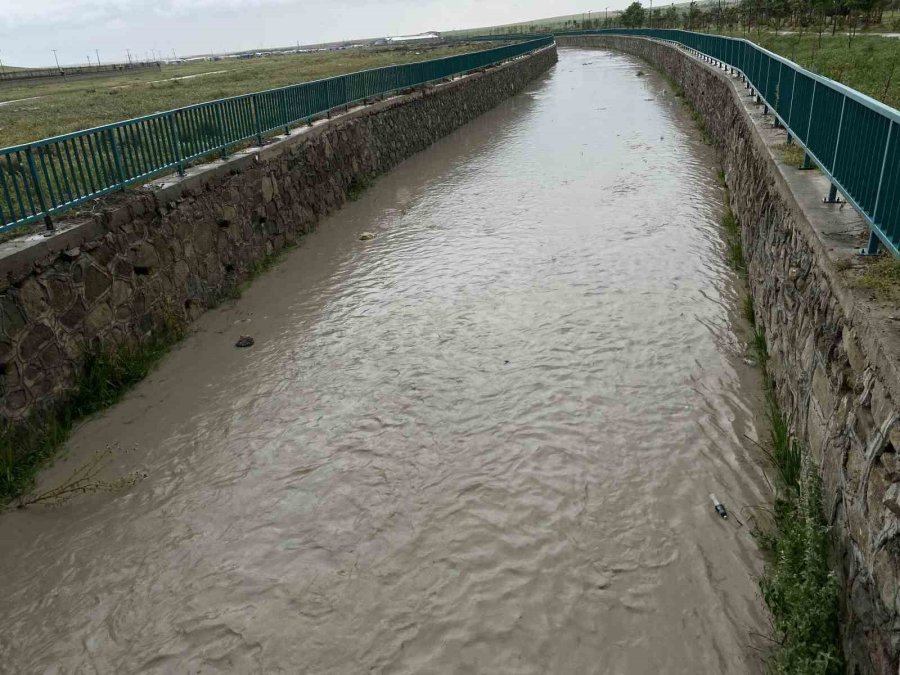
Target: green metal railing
x,y
43,178
64,71
854,139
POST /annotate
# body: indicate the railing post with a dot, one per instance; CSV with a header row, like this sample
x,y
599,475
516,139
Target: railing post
x,y
872,246
221,128
791,104
837,143
256,122
116,159
887,149
284,112
176,143
812,107
37,188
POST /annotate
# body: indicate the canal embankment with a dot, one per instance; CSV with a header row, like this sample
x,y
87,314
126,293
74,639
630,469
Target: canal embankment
x,y
482,440
137,267
833,348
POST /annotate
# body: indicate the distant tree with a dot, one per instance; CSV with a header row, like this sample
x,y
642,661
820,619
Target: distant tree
x,y
671,17
633,17
692,18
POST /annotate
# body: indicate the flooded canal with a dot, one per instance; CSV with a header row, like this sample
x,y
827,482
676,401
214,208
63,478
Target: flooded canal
x,y
482,442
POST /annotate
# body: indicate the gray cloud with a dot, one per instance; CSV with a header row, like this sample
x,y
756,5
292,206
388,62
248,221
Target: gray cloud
x,y
29,29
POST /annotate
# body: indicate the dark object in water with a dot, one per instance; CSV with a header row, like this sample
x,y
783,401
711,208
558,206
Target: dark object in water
x,y
245,341
719,506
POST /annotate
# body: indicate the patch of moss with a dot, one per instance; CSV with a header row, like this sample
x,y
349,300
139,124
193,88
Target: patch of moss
x,y
104,378
882,277
791,154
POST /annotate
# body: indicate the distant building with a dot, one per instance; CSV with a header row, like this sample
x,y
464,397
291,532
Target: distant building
x,y
410,38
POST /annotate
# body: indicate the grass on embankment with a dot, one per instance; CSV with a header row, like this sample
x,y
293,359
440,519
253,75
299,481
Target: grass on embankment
x,y
870,64
81,104
105,377
103,380
882,276
797,585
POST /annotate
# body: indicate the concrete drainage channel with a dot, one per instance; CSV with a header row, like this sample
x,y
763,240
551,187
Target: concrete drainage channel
x,y
88,312
833,350
168,251
160,256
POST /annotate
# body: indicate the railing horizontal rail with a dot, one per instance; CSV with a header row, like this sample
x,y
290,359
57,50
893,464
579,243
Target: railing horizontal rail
x,y
854,139
65,71
46,177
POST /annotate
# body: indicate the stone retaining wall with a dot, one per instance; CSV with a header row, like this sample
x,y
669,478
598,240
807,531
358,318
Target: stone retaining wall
x,y
172,250
835,350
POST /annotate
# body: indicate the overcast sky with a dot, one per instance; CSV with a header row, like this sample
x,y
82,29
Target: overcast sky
x,y
30,29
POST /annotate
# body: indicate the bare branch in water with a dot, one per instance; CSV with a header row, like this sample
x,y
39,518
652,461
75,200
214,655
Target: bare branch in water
x,y
84,480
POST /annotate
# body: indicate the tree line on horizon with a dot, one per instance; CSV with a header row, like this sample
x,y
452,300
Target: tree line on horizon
x,y
731,16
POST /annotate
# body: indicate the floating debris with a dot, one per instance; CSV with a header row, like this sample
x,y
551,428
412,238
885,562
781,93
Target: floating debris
x,y
244,341
719,506
366,236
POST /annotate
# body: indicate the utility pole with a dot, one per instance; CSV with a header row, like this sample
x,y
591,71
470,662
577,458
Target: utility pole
x,y
56,59
97,52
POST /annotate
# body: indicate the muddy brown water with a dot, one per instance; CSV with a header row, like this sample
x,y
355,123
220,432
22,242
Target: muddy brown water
x,y
482,442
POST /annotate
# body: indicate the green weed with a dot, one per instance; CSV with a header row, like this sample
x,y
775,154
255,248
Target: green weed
x,y
791,154
882,276
71,105
357,187
104,378
734,248
797,585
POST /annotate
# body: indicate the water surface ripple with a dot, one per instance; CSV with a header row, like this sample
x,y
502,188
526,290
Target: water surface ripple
x,y
481,443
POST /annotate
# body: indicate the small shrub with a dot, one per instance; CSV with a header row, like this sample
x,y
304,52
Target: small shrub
x,y
799,588
105,377
883,277
791,154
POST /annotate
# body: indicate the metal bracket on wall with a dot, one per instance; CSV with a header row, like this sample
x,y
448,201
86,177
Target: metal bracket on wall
x,y
872,246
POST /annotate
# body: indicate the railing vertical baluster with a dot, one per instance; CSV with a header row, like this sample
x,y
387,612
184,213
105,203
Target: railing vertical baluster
x,y
887,148
175,142
223,145
812,105
15,181
37,188
256,121
837,143
791,105
8,196
111,137
65,174
42,156
27,161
